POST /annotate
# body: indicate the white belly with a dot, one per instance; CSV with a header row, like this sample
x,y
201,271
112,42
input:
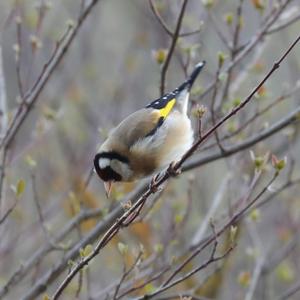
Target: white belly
x,y
168,144
178,140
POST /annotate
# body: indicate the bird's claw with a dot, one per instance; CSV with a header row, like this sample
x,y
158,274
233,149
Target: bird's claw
x,y
153,184
172,170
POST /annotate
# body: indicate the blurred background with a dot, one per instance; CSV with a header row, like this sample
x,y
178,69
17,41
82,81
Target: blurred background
x,y
112,68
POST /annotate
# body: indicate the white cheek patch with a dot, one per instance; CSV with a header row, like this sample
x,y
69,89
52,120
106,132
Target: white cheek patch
x,y
104,162
121,168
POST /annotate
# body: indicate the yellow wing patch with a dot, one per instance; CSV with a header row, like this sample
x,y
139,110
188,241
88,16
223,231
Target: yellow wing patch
x,y
166,110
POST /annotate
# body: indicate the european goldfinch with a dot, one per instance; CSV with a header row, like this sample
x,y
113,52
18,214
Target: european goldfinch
x,y
148,140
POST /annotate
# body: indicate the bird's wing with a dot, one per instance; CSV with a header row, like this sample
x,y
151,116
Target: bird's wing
x,y
165,104
138,125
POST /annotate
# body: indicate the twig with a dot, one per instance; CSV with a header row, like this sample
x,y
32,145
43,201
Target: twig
x,y
80,280
21,110
8,212
140,286
281,124
198,236
253,118
212,107
2,176
251,44
148,210
285,186
255,277
218,30
212,259
145,273
165,26
44,77
238,215
233,50
126,273
165,66
281,254
48,237
82,6
110,233
4,122
42,252
290,292
182,296
285,24
200,127
3,98
200,247
18,56
237,108
101,227
41,9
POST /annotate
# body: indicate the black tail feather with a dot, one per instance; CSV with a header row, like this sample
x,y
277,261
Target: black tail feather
x,y
190,80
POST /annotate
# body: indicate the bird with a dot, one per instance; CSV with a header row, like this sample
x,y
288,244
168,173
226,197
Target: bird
x,y
148,140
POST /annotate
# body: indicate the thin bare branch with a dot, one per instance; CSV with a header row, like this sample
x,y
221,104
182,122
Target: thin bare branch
x,y
165,26
165,66
291,118
257,37
284,25
32,96
232,221
290,292
4,123
255,278
126,273
8,212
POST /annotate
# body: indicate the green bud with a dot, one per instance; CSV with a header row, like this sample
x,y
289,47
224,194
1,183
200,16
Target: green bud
x,y
160,56
278,164
208,3
221,58
229,18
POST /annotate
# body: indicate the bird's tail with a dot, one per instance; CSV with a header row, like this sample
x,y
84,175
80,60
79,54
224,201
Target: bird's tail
x,y
187,85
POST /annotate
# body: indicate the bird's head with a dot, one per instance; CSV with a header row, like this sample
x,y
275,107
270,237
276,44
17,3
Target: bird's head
x,y
111,167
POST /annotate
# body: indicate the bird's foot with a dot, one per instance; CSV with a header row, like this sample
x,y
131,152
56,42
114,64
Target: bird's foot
x,y
172,170
153,184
